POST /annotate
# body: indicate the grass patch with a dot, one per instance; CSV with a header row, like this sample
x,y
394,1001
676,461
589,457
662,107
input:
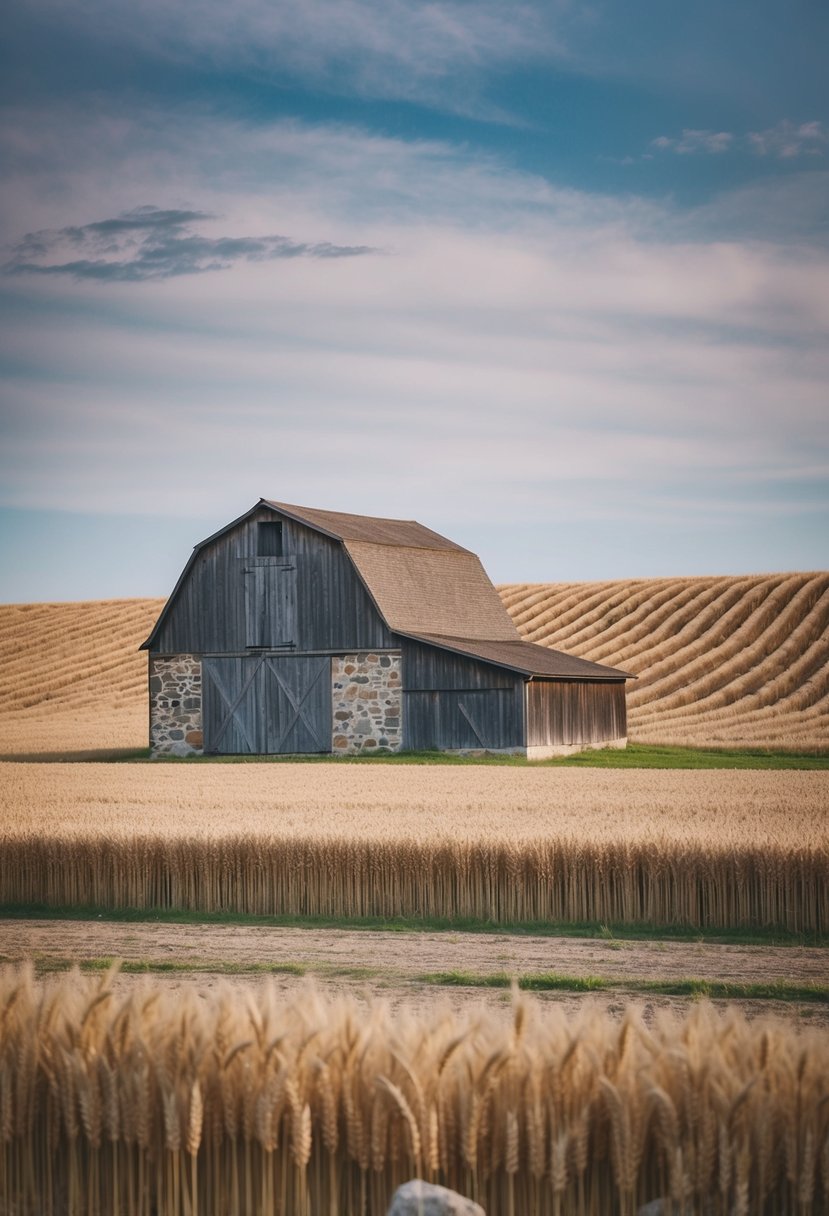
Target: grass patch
x,y
550,981
635,755
52,964
546,981
753,936
639,755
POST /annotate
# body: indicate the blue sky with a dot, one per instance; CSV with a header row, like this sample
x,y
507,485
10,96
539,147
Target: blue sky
x,y
552,278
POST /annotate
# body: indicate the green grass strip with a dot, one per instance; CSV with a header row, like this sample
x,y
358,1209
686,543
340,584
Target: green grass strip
x,y
547,981
635,755
550,981
753,936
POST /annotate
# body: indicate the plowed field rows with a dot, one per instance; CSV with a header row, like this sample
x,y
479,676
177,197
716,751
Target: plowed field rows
x,y
738,662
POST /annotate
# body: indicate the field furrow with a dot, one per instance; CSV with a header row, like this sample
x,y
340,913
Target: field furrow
x,y
741,661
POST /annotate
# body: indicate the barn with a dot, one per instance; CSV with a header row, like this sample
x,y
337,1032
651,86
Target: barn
x,y
294,631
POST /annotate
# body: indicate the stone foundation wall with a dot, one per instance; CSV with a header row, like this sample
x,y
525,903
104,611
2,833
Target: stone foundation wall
x,y
175,706
367,703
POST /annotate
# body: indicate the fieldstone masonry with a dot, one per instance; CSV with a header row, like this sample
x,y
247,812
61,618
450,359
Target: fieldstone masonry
x,y
175,706
366,701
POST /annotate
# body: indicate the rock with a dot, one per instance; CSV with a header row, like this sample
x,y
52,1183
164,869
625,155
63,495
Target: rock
x,y
419,1198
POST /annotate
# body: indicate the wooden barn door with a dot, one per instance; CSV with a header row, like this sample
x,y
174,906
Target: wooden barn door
x,y
231,700
270,602
298,704
266,705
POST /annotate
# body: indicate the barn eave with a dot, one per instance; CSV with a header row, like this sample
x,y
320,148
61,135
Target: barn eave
x,y
531,661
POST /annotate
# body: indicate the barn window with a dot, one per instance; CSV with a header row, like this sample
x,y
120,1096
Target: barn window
x,y
269,540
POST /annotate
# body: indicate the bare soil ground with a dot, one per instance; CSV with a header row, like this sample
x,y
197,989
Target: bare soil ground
x,y
371,963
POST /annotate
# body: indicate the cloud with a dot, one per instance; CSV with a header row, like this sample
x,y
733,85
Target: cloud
x,y
692,141
151,243
431,52
788,141
530,352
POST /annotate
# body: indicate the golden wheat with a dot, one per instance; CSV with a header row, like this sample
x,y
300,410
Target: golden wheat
x,y
492,843
71,675
194,1104
740,662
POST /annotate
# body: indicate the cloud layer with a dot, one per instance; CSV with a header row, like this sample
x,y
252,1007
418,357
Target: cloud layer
x,y
390,256
149,242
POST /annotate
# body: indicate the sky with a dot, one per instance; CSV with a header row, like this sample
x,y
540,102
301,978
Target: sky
x,y
550,277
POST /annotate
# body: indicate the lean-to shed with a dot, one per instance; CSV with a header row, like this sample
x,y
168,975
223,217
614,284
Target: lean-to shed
x,y
295,630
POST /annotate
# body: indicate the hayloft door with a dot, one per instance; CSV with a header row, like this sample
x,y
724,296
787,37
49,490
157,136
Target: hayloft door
x,y
270,602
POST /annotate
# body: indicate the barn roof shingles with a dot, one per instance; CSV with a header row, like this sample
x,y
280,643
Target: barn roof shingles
x,y
430,589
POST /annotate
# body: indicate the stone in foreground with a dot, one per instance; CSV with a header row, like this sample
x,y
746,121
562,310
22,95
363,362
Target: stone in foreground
x,y
419,1198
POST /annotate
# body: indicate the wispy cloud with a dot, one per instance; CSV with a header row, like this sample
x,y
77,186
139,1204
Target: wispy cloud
x,y
788,141
785,140
430,52
151,243
692,141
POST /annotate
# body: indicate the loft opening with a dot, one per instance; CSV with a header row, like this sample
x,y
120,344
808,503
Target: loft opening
x,y
269,539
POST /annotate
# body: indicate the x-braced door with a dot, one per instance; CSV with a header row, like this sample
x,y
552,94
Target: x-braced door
x,y
267,705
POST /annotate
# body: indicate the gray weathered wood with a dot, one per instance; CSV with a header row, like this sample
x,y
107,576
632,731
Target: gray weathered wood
x,y
331,608
266,705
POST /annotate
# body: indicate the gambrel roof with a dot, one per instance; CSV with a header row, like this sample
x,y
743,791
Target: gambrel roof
x,y
421,582
427,588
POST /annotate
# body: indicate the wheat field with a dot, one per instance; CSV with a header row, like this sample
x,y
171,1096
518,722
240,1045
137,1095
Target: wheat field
x,y
231,1102
72,678
739,662
497,844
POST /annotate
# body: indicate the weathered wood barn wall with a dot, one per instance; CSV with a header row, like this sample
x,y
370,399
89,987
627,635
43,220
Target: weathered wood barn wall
x,y
295,631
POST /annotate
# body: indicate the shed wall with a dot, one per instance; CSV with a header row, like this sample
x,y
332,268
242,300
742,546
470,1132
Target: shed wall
x,y
451,702
330,607
568,712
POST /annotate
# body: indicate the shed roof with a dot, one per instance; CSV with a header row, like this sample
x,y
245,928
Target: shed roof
x,y
526,657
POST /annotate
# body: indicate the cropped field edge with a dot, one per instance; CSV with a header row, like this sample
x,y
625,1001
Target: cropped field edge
x,y
544,981
584,929
635,755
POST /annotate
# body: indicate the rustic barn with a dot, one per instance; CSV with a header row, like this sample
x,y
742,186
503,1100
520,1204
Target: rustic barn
x,y
296,631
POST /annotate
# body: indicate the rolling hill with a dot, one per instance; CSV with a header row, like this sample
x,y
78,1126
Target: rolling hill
x,y
728,662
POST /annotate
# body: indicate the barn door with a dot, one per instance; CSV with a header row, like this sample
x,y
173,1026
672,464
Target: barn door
x,y
298,704
232,705
270,602
267,705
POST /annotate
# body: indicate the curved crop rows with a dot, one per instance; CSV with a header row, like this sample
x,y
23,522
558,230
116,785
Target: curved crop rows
x,y
72,677
740,661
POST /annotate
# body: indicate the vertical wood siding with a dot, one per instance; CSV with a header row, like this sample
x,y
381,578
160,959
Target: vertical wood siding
x,y
332,609
266,705
451,701
428,668
562,712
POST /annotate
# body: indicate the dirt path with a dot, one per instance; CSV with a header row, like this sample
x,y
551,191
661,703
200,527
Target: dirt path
x,y
404,956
